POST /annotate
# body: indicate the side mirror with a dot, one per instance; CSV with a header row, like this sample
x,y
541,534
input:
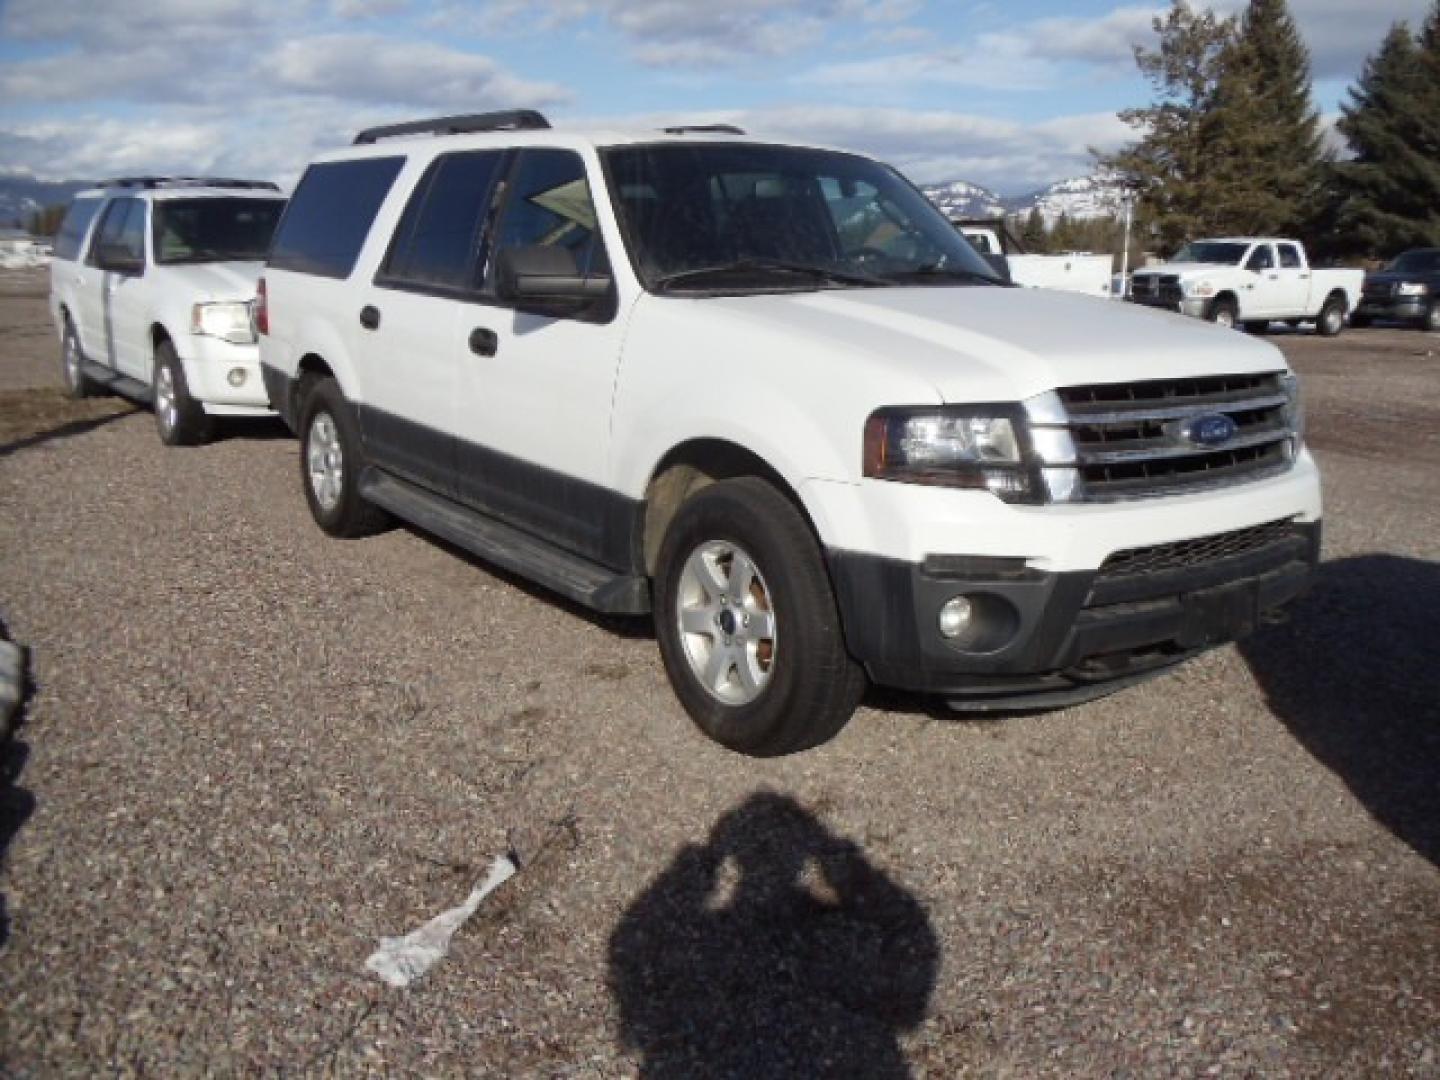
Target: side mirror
x,y
119,259
547,276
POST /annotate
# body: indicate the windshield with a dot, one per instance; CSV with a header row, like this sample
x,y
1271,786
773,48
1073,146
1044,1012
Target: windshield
x,y
214,230
1212,251
745,218
1424,261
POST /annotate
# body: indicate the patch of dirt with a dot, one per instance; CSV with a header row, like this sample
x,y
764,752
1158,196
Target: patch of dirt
x,y
28,417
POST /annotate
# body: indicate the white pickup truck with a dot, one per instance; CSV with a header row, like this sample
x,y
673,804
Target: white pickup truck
x,y
1071,271
1250,281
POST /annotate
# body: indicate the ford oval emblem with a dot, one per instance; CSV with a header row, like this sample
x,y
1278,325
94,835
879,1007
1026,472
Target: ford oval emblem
x,y
1212,429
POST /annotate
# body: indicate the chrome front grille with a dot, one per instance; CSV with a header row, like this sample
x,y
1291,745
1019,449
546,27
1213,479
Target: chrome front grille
x,y
1113,441
1156,289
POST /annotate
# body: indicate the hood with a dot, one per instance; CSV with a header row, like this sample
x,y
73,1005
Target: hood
x,y
214,281
991,344
1187,269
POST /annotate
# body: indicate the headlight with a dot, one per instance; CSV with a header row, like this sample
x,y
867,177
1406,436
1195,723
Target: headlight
x,y
1294,407
229,321
1412,288
951,447
1199,288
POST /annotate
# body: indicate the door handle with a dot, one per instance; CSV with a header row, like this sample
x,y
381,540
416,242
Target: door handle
x,y
1274,277
370,317
1304,277
484,342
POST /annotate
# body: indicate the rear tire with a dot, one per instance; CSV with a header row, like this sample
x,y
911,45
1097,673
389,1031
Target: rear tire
x,y
1331,319
1223,312
72,364
180,420
762,670
331,461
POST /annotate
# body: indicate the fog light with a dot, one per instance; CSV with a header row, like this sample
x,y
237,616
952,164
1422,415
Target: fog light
x,y
236,376
955,616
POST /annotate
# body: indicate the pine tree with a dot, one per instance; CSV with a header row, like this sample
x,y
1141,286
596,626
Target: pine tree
x,y
1033,236
1178,166
1264,129
1389,194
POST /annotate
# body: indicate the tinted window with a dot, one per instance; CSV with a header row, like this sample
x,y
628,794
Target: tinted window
x,y
214,230
1422,261
1290,256
439,233
330,215
1261,259
71,236
550,204
123,226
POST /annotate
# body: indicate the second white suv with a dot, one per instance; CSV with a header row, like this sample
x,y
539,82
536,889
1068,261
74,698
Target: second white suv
x,y
767,393
151,290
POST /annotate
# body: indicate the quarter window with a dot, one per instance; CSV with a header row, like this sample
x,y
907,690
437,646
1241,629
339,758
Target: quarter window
x,y
438,239
122,227
330,215
550,204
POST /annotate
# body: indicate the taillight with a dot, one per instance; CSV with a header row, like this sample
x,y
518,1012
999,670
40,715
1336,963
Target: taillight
x,y
262,309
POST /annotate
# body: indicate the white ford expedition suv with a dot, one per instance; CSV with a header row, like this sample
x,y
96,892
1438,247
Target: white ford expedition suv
x,y
151,290
767,393
1250,281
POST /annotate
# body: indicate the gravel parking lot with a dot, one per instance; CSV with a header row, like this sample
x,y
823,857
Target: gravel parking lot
x,y
251,751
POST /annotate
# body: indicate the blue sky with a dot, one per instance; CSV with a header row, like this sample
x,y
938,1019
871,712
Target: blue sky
x,y
1009,95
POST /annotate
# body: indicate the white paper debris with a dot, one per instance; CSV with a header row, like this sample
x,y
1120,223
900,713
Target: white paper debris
x,y
400,961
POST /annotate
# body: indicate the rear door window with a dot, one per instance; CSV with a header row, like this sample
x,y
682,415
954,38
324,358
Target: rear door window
x,y
438,240
330,215
71,238
1290,257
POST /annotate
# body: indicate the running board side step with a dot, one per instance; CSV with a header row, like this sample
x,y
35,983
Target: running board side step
x,y
116,383
573,577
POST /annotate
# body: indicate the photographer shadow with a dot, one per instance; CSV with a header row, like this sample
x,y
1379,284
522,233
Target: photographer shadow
x,y
775,950
1355,675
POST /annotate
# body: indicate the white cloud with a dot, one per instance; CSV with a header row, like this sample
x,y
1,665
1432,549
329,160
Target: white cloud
x,y
367,67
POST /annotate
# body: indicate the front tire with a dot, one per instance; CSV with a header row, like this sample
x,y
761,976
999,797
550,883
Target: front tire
x,y
180,420
72,364
747,623
331,461
1331,319
1223,312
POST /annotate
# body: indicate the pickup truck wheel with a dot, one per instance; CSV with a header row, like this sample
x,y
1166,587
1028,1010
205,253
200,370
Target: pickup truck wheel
x,y
1223,313
72,364
180,420
747,623
331,462
1431,320
1331,319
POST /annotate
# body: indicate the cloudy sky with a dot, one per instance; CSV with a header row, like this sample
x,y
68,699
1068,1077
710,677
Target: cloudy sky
x,y
1009,95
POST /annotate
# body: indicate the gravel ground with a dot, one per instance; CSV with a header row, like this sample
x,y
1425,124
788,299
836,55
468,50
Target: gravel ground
x,y
251,751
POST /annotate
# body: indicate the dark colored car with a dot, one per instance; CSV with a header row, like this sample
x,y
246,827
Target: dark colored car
x,y
1408,290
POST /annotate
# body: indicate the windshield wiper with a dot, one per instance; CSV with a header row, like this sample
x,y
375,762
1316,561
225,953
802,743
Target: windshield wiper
x,y
935,270
825,274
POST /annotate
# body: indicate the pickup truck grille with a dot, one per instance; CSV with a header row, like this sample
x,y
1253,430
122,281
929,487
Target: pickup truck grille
x,y
1378,290
1156,290
1109,442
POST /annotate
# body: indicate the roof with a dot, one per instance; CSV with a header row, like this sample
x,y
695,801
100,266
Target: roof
x,y
184,187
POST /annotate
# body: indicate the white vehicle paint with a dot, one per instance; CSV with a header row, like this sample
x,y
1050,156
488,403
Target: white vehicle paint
x,y
1071,271
164,291
997,460
1250,280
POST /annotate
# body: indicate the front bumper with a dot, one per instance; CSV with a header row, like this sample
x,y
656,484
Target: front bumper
x,y
1063,636
1401,309
210,364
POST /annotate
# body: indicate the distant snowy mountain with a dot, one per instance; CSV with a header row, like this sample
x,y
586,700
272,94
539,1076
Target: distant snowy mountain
x,y
1080,197
961,199
21,196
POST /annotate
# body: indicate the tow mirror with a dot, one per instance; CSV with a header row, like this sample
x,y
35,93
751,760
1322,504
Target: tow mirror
x,y
547,276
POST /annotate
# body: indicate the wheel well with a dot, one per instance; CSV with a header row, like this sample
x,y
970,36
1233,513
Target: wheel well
x,y
1227,295
688,468
158,336
1339,294
311,368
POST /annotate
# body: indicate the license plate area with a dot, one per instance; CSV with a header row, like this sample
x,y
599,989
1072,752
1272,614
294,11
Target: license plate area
x,y
1213,616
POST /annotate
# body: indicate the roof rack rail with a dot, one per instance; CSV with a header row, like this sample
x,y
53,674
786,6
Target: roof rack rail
x,y
189,181
704,129
508,120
